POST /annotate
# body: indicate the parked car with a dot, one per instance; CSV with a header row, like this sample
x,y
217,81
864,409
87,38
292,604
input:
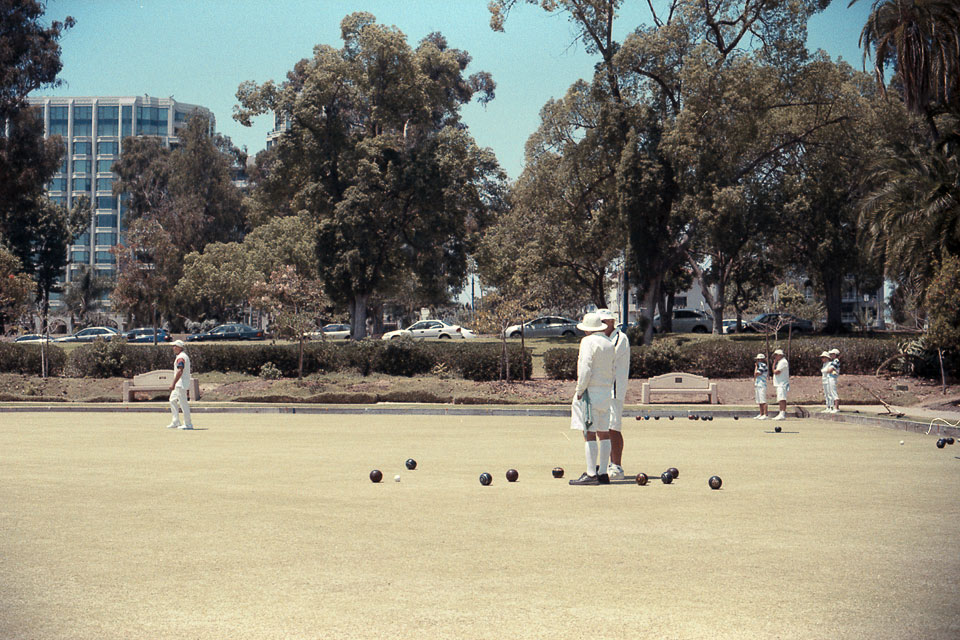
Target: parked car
x,y
730,325
769,321
145,334
687,321
431,329
33,338
545,327
331,332
228,332
90,334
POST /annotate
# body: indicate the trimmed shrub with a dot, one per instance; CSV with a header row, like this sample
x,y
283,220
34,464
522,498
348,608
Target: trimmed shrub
x,y
25,359
404,358
482,362
561,364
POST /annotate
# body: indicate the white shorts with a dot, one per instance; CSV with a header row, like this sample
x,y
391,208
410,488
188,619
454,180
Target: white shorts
x,y
760,391
600,405
782,390
616,414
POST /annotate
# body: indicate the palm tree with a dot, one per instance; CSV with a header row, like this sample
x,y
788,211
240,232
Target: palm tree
x,y
83,294
921,40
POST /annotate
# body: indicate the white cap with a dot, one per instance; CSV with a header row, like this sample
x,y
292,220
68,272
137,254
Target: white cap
x,y
178,343
591,322
760,356
778,352
606,314
824,355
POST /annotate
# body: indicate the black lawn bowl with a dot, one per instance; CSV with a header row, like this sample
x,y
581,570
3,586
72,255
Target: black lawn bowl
x,y
949,440
666,477
941,443
376,475
642,479
736,417
715,482
777,429
411,464
486,479
512,475
558,472
674,472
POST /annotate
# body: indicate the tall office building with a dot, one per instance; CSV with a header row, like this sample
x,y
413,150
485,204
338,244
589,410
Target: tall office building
x,y
93,129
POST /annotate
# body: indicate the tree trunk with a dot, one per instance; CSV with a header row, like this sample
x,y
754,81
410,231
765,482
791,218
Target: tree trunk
x,y
719,302
45,332
300,364
523,348
650,297
833,289
881,308
358,316
666,313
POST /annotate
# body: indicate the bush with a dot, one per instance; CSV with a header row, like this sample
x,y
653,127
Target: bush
x,y
483,362
404,358
726,358
25,359
269,371
100,359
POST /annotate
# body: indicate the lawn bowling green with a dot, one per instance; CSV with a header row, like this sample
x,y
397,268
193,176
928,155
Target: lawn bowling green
x,y
267,526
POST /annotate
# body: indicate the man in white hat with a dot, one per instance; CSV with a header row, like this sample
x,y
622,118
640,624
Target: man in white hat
x,y
781,382
178,388
825,368
590,411
760,385
834,379
621,373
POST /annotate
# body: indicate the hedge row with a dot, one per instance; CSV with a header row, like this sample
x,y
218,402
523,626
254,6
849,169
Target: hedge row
x,y
395,357
723,358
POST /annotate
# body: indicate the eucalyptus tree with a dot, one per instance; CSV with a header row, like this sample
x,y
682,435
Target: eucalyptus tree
x,y
377,154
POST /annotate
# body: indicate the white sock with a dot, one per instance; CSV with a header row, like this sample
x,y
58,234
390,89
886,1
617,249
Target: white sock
x,y
590,447
603,458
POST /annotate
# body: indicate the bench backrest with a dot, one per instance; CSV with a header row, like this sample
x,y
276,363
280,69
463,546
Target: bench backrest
x,y
678,380
152,378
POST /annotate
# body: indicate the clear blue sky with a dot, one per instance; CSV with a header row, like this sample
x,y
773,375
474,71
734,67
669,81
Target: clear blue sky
x,y
199,51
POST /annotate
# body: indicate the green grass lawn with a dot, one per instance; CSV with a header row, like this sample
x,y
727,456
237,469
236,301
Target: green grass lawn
x,y
266,526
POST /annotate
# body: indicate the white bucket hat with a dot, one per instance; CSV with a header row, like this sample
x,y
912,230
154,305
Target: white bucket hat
x,y
178,343
591,322
836,351
825,355
606,314
760,356
778,352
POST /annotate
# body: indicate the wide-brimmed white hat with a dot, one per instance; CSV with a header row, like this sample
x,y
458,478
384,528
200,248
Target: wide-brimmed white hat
x,y
824,355
836,351
178,343
760,356
591,322
778,352
606,314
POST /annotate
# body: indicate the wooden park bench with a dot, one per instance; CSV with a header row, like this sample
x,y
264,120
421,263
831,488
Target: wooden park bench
x,y
680,383
159,380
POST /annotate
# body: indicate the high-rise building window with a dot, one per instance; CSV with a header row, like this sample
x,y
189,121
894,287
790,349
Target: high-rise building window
x,y
104,257
152,121
104,238
81,166
104,184
108,120
82,148
108,148
127,116
82,120
81,257
83,238
107,202
104,166
58,184
108,220
59,119
81,184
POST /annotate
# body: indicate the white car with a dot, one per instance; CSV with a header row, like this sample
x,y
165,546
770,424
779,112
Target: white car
x,y
687,321
331,332
33,338
431,329
90,334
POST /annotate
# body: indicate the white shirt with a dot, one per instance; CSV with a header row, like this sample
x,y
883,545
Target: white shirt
x,y
182,361
621,361
825,371
595,363
781,373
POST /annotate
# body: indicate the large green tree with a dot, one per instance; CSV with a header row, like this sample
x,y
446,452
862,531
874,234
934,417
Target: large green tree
x,y
377,154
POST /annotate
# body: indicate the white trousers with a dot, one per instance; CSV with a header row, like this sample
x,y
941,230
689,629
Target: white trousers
x,y
830,392
178,402
600,406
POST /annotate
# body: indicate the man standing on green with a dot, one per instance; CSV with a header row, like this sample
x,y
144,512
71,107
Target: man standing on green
x,y
621,372
178,388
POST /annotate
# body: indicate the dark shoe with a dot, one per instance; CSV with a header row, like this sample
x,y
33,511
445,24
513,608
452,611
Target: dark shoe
x,y
603,478
585,479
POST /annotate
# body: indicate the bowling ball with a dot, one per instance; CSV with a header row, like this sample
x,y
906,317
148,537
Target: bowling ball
x,y
512,475
376,475
715,482
674,472
642,479
558,472
666,477
485,479
411,464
